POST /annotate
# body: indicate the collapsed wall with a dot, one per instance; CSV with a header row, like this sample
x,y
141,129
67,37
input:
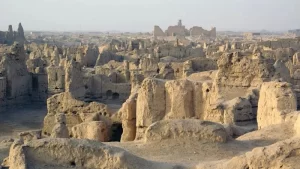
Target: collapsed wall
x,y
76,111
238,77
237,71
191,129
199,31
80,101
231,98
176,99
180,30
158,31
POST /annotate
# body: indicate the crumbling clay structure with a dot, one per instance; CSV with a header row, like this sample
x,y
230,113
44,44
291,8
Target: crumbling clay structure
x,y
75,155
180,30
182,129
175,99
277,100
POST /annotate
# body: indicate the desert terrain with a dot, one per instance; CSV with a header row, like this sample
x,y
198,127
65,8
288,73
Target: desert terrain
x,y
180,98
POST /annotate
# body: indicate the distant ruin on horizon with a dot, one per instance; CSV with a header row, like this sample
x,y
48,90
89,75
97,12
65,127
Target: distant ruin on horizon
x,y
180,30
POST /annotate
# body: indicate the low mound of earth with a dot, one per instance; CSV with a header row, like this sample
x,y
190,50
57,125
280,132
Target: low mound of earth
x,y
268,135
187,129
72,153
283,154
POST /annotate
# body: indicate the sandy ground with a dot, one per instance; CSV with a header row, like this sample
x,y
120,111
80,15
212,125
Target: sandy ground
x,y
184,152
21,118
18,119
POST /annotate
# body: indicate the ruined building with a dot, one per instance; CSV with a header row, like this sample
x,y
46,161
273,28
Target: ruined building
x,y
180,30
10,36
15,80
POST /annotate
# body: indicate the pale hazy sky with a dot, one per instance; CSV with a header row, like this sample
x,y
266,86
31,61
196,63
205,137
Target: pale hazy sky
x,y
142,15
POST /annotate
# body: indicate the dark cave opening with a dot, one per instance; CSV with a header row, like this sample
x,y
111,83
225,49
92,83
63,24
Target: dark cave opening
x,y
116,132
115,96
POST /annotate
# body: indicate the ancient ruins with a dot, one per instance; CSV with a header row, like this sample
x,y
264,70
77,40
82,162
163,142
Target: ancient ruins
x,y
175,99
179,30
10,36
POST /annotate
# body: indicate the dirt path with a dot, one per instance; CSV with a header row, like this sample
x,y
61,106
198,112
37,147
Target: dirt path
x,y
18,119
22,118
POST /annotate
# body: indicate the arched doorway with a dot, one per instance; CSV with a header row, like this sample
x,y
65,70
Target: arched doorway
x,y
109,93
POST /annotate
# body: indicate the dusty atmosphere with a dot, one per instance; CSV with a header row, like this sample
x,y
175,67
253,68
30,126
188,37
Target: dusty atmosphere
x,y
182,97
